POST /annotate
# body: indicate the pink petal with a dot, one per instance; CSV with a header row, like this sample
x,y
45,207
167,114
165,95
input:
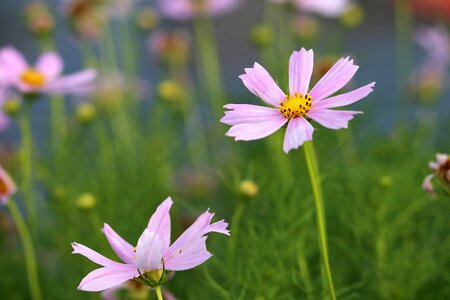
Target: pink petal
x,y
300,70
217,7
441,158
149,251
333,119
189,258
334,80
193,238
259,82
13,61
121,247
160,223
345,99
72,84
254,131
427,184
107,277
93,256
50,64
298,131
248,113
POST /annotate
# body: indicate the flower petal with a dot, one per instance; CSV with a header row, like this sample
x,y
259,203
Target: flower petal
x,y
333,119
189,258
346,98
259,82
254,131
149,251
300,70
248,113
193,238
13,61
427,184
50,64
298,131
93,255
121,247
335,79
160,223
107,277
77,83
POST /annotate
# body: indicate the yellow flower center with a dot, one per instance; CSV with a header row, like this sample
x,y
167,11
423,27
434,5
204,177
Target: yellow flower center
x,y
296,105
33,78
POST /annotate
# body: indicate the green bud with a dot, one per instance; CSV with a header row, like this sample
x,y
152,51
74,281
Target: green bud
x,y
12,106
262,36
248,188
86,112
86,201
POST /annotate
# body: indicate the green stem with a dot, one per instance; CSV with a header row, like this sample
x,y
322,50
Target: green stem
x,y
26,160
209,57
158,292
313,170
237,216
30,259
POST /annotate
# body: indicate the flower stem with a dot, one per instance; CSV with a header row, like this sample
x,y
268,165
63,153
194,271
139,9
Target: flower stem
x,y
25,161
30,259
313,170
209,59
159,293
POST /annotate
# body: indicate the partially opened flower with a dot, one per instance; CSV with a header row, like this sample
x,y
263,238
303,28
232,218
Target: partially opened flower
x,y
45,76
7,187
299,106
187,9
152,258
441,171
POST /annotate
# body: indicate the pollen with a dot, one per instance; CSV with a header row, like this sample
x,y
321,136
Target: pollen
x,y
296,105
33,78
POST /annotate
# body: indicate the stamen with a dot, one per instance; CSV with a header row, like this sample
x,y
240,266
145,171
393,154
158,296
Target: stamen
x,y
296,105
33,78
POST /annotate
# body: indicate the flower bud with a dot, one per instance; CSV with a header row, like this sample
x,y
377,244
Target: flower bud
x,y
353,16
86,112
147,19
86,201
385,181
171,47
306,26
262,36
248,188
39,19
12,106
175,93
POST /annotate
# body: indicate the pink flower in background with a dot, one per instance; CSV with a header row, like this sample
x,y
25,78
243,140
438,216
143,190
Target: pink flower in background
x,y
252,122
4,118
7,186
153,254
441,171
326,8
186,9
45,76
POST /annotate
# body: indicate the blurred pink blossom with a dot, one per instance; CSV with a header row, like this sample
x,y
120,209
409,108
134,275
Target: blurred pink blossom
x,y
7,186
45,76
187,9
326,8
252,122
441,171
153,253
4,118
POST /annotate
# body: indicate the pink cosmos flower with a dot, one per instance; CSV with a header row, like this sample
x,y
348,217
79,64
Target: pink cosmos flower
x,y
7,187
5,120
153,254
252,122
326,8
45,76
441,171
187,9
